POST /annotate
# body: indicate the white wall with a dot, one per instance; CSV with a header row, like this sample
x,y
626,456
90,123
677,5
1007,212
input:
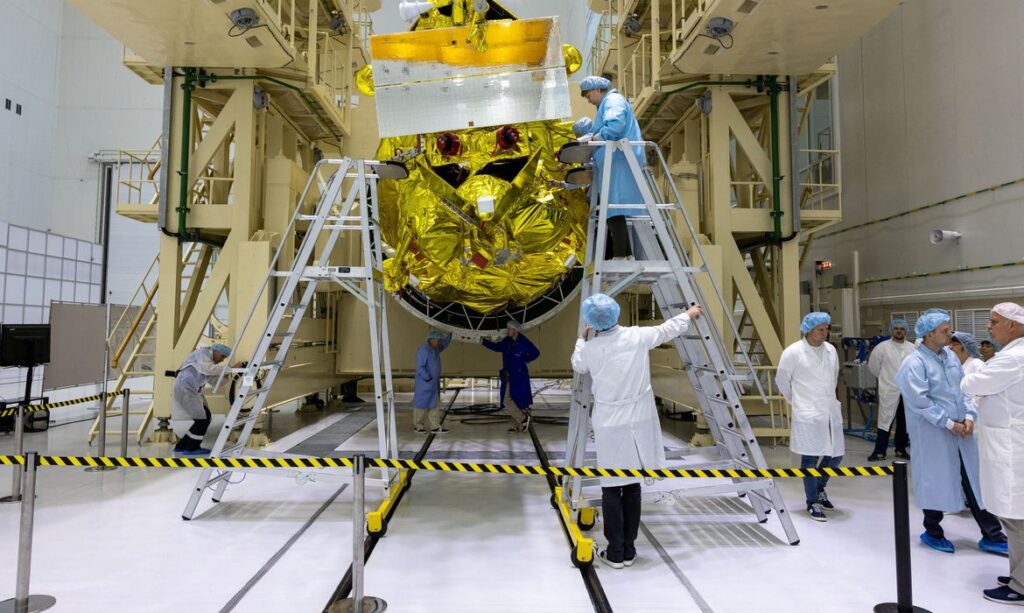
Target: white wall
x,y
102,105
29,59
931,105
77,98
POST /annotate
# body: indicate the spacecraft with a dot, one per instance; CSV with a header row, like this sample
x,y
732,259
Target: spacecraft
x,y
474,102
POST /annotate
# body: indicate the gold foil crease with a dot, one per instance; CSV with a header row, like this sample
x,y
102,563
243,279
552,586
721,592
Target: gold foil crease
x,y
454,252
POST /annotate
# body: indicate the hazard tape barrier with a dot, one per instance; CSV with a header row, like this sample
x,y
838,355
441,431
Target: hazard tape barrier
x,y
464,467
35,408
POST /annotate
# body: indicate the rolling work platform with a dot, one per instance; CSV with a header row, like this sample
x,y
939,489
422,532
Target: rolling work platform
x,y
718,376
347,204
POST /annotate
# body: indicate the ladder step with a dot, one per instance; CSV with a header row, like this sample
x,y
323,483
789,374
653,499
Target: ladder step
x,y
227,451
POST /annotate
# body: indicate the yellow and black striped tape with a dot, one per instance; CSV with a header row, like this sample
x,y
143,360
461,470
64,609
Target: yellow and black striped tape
x,y
462,467
35,408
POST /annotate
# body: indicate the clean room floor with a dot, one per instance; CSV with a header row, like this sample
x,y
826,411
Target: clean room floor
x,y
114,541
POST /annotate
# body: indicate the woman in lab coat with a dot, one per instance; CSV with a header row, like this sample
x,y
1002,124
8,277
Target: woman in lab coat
x,y
627,430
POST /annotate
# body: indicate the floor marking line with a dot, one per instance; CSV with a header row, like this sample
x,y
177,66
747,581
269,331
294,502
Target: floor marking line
x,y
274,559
678,572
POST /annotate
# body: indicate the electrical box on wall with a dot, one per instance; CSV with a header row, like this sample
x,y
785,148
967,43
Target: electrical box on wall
x,y
841,307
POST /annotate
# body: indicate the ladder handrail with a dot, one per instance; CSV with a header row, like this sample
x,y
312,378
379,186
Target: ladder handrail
x,y
626,147
342,163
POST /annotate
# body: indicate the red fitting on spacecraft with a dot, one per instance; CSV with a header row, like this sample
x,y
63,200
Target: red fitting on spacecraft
x,y
506,137
448,144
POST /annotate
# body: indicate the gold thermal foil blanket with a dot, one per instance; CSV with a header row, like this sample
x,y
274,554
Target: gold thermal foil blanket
x,y
482,226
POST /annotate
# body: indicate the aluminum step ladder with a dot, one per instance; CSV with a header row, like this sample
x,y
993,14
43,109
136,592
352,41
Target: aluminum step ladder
x,y
717,373
347,203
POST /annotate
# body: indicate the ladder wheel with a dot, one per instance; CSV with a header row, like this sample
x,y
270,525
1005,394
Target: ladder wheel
x,y
383,529
586,527
554,503
576,561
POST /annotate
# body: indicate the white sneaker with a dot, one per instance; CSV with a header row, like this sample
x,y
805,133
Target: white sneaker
x,y
603,556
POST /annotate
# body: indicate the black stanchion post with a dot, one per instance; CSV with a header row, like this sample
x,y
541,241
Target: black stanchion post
x,y
23,602
901,518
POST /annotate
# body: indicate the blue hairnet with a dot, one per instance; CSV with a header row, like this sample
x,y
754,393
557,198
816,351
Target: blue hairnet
x,y
813,320
221,348
936,310
970,344
994,344
929,320
594,82
583,126
435,335
898,323
601,312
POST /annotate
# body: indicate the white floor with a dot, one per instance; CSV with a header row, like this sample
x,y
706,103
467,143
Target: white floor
x,y
114,541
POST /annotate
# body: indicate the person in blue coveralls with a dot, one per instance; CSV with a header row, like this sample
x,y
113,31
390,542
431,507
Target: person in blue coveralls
x,y
940,419
425,410
614,121
516,352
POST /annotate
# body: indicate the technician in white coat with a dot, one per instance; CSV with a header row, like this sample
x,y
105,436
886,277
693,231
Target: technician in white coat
x,y
627,431
884,361
998,388
807,376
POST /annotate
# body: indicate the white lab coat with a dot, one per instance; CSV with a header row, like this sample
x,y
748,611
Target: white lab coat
x,y
884,362
998,388
972,365
196,372
807,379
627,430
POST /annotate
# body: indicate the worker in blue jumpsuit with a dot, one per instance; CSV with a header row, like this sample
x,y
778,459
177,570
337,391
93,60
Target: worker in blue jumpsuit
x,y
516,394
615,121
425,410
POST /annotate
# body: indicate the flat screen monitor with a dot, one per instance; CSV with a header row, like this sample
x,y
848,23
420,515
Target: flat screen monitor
x,y
24,344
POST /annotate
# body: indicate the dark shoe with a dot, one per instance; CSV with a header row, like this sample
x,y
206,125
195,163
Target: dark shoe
x,y
439,430
938,544
876,457
824,501
420,430
1002,580
603,556
996,547
903,455
1004,595
816,513
526,423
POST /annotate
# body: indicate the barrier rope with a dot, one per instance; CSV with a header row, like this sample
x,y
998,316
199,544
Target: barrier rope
x,y
449,466
35,408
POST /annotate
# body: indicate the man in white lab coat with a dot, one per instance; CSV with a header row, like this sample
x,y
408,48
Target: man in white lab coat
x,y
807,376
998,389
884,361
627,430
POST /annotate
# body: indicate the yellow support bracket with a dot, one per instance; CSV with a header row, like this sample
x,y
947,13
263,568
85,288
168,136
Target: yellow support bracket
x,y
375,519
582,546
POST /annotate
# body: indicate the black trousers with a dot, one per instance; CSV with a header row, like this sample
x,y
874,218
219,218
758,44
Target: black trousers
x,y
989,523
621,508
617,245
902,439
193,439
